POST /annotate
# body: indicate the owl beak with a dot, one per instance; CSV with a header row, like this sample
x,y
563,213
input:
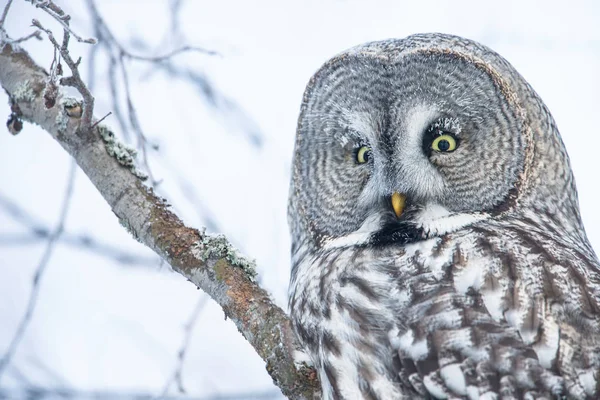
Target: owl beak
x,y
398,203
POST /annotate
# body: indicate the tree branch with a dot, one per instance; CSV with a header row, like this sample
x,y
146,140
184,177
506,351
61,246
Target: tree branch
x,y
209,262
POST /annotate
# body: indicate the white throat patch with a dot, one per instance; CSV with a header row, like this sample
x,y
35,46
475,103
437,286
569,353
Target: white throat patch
x,y
433,219
360,236
436,220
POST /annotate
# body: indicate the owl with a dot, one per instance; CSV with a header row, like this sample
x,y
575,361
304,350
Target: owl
x,y
437,244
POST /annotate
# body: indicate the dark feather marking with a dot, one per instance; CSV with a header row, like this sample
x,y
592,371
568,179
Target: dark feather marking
x,y
508,202
544,227
307,338
360,318
468,370
365,375
408,366
313,309
357,253
403,368
507,260
361,285
589,306
474,299
330,259
508,388
327,313
441,245
332,378
533,244
543,232
458,258
330,343
487,376
368,392
428,364
531,321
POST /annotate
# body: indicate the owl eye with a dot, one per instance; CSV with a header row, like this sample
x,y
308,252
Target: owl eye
x,y
445,143
363,154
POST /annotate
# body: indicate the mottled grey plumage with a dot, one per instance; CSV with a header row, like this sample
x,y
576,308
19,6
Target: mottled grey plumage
x,y
486,286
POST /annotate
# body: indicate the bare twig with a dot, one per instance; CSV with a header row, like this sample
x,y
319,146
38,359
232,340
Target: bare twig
x,y
33,296
171,54
101,119
118,56
135,123
75,79
187,329
109,39
175,8
58,14
36,34
114,94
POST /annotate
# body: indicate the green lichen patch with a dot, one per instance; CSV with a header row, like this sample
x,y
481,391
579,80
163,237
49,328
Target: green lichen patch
x,y
61,121
124,154
217,246
24,92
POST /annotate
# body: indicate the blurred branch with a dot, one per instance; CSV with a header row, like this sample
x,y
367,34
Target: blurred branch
x,y
36,393
108,39
4,36
83,242
35,286
38,231
5,13
117,70
210,262
119,57
176,377
231,113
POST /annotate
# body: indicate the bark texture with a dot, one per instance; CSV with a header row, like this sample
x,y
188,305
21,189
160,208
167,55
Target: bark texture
x,y
209,262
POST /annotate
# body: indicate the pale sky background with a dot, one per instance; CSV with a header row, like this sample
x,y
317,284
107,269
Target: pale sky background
x,y
100,325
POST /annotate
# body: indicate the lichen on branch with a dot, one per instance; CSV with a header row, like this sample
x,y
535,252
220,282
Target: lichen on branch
x,y
123,153
217,245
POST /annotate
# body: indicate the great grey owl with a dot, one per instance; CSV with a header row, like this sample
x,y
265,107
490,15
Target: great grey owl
x,y
437,244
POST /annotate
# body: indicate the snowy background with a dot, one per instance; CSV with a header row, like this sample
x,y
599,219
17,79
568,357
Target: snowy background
x,y
109,318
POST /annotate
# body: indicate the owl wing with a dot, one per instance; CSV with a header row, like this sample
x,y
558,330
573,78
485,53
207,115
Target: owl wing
x,y
499,313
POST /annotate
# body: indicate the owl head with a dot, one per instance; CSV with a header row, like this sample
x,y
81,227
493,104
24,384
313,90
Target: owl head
x,y
402,140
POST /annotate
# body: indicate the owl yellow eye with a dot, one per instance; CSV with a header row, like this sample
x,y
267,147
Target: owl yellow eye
x,y
444,144
363,155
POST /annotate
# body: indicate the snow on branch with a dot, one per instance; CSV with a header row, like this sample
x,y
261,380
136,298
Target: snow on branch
x,y
209,262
